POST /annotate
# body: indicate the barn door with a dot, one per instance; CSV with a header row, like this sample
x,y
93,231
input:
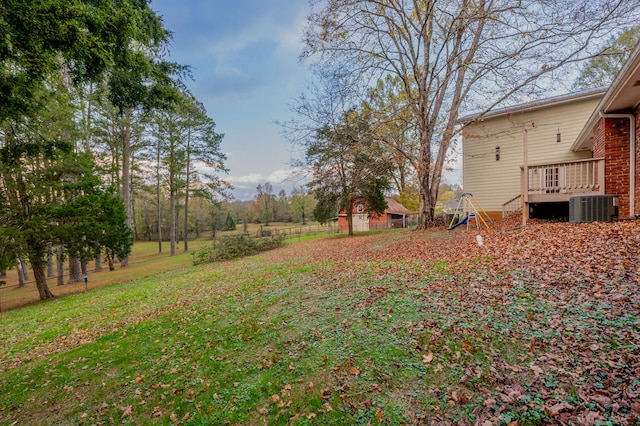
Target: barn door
x,y
360,222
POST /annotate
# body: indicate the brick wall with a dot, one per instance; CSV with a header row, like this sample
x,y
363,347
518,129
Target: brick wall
x,y
611,142
598,140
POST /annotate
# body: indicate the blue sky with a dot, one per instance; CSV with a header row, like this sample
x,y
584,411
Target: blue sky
x,y
244,59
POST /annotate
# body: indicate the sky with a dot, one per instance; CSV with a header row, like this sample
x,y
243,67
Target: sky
x,y
244,57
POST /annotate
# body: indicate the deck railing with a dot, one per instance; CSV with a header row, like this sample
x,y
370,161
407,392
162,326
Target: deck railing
x,y
558,181
512,206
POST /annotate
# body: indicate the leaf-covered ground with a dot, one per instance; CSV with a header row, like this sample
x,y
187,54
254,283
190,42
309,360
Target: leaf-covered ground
x,y
569,293
539,325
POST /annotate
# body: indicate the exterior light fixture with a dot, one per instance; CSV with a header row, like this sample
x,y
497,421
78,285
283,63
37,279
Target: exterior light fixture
x,y
497,153
558,139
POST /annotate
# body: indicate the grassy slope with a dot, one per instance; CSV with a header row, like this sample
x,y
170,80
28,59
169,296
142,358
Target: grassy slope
x,y
301,335
144,261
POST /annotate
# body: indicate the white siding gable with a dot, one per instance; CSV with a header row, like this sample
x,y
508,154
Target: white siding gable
x,y
493,182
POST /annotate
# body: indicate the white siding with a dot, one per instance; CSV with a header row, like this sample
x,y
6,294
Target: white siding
x,y
492,182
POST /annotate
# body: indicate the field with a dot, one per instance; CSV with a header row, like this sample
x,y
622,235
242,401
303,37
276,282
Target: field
x,y
534,326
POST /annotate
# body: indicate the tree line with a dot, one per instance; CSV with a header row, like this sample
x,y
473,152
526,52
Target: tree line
x,y
93,119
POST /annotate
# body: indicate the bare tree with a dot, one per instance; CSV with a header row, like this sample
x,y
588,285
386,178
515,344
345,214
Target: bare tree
x,y
455,54
265,203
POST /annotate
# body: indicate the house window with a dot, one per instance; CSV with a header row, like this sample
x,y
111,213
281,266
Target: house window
x,y
360,208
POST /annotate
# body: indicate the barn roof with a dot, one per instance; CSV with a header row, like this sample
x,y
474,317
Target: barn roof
x,y
394,207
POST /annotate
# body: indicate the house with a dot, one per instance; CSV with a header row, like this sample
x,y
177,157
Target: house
x,y
394,216
545,154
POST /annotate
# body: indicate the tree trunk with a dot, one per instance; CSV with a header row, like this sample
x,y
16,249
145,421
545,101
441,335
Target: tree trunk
x,y
3,273
178,227
19,266
134,221
427,208
132,196
349,211
186,193
186,220
25,270
172,223
41,281
158,203
126,174
50,268
84,268
60,262
427,204
98,262
74,270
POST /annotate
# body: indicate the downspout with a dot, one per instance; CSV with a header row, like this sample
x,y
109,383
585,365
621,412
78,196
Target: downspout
x,y
632,157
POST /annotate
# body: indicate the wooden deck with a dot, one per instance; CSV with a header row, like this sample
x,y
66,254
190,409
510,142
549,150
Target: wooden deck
x,y
557,182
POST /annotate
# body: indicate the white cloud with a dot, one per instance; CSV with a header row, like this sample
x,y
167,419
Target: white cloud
x,y
290,37
287,179
245,181
282,176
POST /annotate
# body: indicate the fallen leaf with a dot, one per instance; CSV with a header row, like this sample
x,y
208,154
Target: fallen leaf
x,y
326,407
557,409
602,400
126,411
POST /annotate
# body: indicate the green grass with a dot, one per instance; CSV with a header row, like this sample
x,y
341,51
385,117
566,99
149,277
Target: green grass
x,y
278,338
145,261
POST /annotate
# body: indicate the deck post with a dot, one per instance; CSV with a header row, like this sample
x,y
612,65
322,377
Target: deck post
x,y
525,178
601,183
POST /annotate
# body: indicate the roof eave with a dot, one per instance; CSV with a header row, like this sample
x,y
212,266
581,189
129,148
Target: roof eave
x,y
532,106
622,81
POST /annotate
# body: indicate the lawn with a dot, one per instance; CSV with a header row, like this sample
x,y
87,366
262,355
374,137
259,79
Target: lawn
x,y
145,260
535,326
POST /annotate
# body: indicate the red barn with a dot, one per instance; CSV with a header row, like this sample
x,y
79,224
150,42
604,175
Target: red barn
x,y
395,216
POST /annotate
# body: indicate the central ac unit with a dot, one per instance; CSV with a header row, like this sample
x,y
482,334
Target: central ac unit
x,y
593,208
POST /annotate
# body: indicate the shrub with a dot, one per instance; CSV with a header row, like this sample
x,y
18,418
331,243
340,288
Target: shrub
x,y
234,247
229,223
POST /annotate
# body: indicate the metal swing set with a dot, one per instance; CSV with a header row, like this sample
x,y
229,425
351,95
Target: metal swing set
x,y
471,210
